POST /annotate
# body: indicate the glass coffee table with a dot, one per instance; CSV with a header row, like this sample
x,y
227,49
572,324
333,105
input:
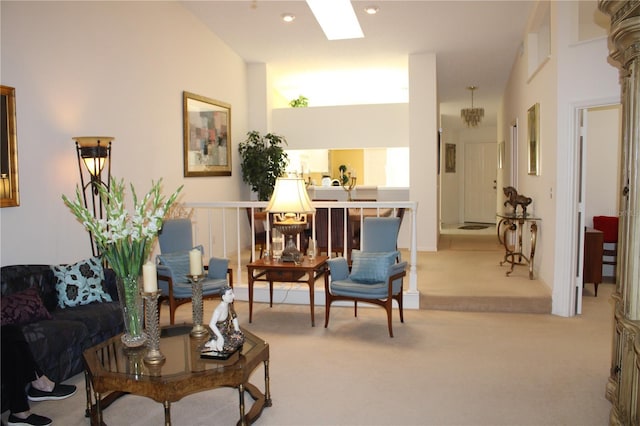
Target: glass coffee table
x,y
112,370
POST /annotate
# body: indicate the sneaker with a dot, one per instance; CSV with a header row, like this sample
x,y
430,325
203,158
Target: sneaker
x,y
60,391
32,420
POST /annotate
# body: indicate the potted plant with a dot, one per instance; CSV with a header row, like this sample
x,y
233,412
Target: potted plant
x,y
300,102
263,160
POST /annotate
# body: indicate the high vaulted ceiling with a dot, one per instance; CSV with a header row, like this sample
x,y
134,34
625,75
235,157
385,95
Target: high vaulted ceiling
x,y
475,42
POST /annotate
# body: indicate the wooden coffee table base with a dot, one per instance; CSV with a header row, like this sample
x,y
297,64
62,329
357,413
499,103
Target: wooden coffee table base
x,y
112,371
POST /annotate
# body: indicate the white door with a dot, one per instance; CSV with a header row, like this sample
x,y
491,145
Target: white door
x,y
480,173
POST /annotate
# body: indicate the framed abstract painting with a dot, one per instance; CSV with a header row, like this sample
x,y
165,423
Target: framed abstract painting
x,y
207,136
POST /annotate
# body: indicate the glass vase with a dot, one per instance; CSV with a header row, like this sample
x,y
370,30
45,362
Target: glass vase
x,y
132,306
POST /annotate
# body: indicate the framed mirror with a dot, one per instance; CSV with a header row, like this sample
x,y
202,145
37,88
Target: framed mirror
x,y
9,195
533,126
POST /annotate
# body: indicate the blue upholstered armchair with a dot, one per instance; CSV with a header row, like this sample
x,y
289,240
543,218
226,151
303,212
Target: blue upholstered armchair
x,y
176,241
376,274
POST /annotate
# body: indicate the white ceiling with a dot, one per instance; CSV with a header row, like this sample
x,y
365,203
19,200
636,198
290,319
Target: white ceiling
x,y
475,42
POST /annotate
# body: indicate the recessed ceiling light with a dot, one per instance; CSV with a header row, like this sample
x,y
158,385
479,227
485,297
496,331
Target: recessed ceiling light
x,y
288,17
371,10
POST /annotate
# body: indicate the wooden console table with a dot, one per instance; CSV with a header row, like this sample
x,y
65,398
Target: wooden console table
x,y
279,271
510,231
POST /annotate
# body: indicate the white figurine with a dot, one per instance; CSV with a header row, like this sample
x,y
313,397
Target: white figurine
x,y
224,324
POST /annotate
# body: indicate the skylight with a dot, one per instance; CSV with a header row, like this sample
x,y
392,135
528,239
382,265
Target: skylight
x,y
337,18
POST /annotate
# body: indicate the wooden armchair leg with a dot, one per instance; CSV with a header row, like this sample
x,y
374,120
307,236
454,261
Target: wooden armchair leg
x,y
326,313
389,308
172,312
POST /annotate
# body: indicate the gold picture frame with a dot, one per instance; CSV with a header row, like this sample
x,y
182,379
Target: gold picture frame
x,y
449,158
9,194
207,136
533,139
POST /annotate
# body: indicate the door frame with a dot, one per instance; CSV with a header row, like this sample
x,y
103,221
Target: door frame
x,y
513,140
567,240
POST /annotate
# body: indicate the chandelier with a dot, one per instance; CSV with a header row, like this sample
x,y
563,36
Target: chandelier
x,y
472,116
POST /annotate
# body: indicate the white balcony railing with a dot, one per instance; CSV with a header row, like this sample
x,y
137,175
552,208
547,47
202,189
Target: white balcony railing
x,y
224,230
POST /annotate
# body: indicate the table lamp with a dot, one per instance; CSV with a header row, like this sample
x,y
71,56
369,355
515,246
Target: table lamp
x,y
290,204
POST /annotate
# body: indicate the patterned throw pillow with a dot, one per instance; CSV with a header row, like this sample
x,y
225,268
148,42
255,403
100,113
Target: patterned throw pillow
x,y
23,307
80,283
371,267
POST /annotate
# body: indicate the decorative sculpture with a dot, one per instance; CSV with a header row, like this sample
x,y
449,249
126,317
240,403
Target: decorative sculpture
x,y
228,337
347,181
514,199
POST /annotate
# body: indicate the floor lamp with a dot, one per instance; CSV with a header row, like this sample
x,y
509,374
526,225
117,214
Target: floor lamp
x,y
94,153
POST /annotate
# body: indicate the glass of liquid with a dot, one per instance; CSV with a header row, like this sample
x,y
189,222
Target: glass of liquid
x,y
312,249
276,249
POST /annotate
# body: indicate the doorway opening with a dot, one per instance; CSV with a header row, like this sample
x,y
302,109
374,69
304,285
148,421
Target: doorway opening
x,y
597,149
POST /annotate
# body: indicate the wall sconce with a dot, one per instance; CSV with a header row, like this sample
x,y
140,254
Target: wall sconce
x,y
291,204
94,153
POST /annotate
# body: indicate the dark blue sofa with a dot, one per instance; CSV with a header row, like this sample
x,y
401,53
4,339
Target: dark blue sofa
x,y
57,343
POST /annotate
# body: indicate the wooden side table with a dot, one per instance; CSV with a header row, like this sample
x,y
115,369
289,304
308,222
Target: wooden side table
x,y
271,271
593,251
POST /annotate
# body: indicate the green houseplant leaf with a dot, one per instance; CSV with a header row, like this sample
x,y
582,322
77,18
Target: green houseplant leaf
x,y
263,161
300,102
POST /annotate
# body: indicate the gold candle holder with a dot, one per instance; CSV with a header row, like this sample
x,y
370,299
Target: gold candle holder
x,y
198,329
152,323
348,182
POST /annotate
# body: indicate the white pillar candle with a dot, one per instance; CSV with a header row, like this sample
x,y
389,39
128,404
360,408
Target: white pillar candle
x,y
150,278
195,262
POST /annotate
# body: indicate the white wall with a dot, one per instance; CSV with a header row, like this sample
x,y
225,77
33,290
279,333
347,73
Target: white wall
x,y
423,136
106,68
346,126
381,125
602,162
575,74
450,183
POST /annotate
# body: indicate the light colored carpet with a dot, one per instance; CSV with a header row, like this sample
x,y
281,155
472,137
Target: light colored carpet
x,y
442,368
465,275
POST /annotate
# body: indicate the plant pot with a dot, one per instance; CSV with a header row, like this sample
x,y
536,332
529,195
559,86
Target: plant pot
x,y
131,303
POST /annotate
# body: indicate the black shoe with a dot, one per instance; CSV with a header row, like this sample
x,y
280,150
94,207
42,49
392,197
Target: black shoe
x,y
59,392
32,420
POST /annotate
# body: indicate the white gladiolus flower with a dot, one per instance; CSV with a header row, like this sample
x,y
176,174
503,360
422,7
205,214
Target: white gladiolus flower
x,y
124,239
